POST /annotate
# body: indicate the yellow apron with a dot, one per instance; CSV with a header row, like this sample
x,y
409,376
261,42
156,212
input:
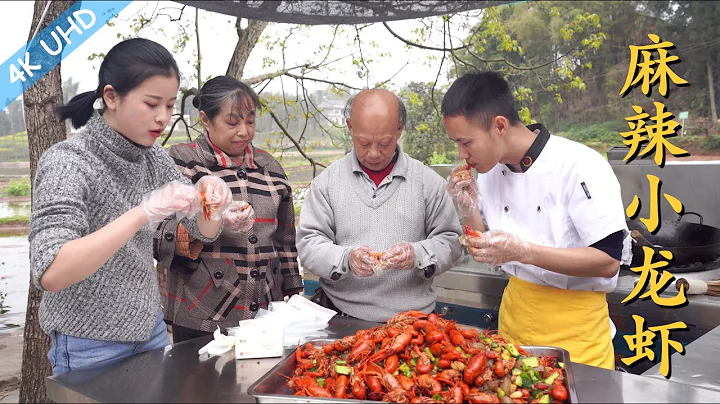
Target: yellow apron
x,y
576,320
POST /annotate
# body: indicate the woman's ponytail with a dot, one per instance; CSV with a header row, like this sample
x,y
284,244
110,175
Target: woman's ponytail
x,y
79,109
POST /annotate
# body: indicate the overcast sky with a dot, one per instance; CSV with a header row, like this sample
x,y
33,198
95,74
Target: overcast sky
x,y
218,39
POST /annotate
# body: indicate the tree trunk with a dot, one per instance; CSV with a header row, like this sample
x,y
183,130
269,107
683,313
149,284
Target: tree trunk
x,y
43,131
247,38
711,90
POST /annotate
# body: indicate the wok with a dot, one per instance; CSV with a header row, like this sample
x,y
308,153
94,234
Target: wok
x,y
689,243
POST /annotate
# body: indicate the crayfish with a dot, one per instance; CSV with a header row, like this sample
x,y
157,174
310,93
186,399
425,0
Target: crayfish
x,y
421,358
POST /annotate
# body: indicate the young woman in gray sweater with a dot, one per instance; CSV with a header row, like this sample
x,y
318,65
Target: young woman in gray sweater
x,y
97,198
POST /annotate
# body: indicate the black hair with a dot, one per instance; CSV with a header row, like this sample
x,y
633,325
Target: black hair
x,y
125,67
222,90
480,97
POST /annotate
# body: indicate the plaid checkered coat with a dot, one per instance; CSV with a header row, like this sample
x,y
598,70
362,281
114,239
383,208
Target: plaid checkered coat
x,y
205,285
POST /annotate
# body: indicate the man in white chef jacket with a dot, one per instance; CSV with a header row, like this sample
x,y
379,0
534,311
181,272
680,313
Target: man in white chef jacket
x,y
555,220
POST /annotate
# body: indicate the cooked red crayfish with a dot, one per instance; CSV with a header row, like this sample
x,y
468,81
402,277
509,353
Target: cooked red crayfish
x,y
206,207
469,231
420,358
463,172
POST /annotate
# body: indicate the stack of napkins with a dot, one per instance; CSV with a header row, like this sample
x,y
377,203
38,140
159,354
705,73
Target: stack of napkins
x,y
258,338
284,324
301,319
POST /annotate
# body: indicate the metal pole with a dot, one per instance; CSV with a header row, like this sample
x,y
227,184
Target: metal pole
x,y
682,131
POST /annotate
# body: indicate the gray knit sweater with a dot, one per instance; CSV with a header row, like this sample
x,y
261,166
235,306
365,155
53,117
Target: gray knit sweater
x,y
343,209
81,185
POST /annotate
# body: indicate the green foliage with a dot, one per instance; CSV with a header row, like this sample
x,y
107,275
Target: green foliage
x,y
542,48
711,143
3,307
298,199
19,187
439,159
602,132
425,138
14,220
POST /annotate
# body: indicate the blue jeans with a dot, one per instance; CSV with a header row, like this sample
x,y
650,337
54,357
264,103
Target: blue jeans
x,y
73,353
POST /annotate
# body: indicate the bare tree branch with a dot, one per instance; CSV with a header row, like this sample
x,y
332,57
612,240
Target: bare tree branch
x,y
197,36
417,45
362,58
336,83
186,94
268,76
247,38
292,139
432,89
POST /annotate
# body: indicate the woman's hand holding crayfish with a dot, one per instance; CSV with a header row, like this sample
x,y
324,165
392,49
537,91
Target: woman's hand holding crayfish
x,y
173,197
240,216
215,194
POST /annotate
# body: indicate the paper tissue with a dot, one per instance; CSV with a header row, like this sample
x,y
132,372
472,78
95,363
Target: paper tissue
x,y
301,319
219,345
284,324
258,338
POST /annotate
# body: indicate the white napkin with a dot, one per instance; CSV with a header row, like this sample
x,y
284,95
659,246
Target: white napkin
x,y
219,345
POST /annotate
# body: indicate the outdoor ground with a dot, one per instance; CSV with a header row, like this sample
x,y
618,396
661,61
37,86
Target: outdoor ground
x,y
14,280
11,346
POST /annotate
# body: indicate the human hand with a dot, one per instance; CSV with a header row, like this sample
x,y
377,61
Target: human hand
x,y
496,247
399,256
173,197
463,190
239,216
363,261
215,195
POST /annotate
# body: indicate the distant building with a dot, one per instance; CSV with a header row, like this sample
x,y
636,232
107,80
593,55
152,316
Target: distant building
x,y
332,111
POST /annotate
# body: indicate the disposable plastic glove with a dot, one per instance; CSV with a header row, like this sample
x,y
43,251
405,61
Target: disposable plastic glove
x,y
399,256
463,189
364,261
496,247
173,197
239,216
216,195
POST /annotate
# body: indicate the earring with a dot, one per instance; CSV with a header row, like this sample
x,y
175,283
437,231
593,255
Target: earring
x,y
99,104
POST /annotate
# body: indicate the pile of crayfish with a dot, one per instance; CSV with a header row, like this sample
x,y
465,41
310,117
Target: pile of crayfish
x,y
420,358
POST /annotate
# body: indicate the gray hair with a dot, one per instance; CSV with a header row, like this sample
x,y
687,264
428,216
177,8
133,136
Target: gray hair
x,y
402,111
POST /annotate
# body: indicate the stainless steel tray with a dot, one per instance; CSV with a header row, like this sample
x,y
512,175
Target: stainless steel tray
x,y
272,388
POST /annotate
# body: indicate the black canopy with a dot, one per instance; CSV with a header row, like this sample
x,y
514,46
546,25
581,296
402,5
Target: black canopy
x,y
317,12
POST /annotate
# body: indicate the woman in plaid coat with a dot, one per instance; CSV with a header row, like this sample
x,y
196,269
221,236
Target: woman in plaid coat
x,y
254,261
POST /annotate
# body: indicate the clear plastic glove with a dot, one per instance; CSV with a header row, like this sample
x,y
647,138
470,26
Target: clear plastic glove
x,y
496,247
463,189
216,196
173,197
239,216
399,256
364,261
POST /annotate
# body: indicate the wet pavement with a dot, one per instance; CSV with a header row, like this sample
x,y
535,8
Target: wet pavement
x,y
14,280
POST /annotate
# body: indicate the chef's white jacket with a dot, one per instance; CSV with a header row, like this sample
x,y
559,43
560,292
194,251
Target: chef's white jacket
x,y
567,197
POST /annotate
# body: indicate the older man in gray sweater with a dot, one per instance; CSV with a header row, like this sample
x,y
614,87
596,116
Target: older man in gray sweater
x,y
377,199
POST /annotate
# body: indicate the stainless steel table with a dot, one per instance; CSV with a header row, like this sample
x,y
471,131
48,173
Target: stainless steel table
x,y
698,365
178,374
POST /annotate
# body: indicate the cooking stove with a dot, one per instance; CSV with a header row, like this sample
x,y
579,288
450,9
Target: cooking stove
x,y
701,271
